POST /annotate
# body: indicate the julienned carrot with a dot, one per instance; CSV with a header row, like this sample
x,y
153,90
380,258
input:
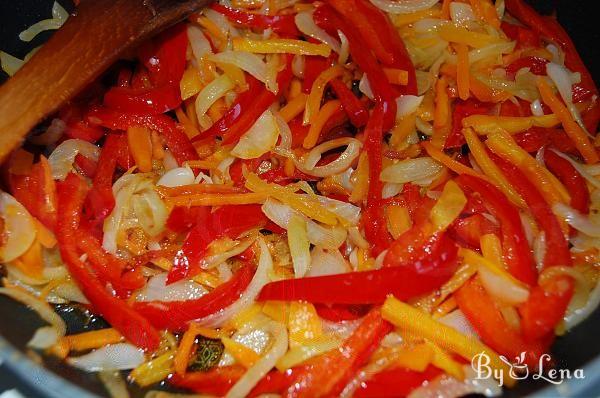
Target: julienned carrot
x,y
197,189
313,102
294,107
450,163
184,351
462,71
396,76
328,110
94,339
140,145
217,199
573,130
441,116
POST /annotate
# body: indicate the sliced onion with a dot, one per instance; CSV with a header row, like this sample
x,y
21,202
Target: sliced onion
x,y
340,164
580,168
461,13
59,16
177,177
298,66
254,374
157,290
285,143
51,135
250,63
318,235
502,288
122,356
40,307
574,318
457,320
449,387
306,24
150,212
62,158
365,87
340,330
411,170
346,211
199,43
9,63
211,93
219,259
114,384
407,104
19,228
222,22
403,6
259,139
44,337
327,262
577,220
564,83
345,48
261,278
536,108
299,245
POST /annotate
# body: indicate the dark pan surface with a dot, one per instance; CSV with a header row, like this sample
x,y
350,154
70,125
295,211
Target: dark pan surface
x,y
17,324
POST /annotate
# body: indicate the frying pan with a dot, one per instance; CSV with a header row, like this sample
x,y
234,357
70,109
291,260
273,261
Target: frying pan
x,y
37,377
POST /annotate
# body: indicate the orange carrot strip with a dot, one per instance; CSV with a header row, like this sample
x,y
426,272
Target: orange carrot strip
x,y
319,121
573,130
94,339
140,145
396,76
190,129
450,163
462,71
212,199
441,114
198,189
294,107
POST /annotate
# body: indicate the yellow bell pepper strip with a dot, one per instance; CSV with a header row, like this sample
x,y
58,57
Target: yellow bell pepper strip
x,y
304,325
245,356
474,258
456,34
490,168
484,124
448,207
442,360
503,145
280,46
315,96
450,163
573,130
153,371
303,203
414,321
400,20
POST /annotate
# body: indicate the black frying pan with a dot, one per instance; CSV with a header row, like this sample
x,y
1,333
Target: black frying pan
x,y
578,349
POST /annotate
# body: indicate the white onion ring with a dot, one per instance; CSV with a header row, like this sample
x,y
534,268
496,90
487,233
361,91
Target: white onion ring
x,y
403,6
340,164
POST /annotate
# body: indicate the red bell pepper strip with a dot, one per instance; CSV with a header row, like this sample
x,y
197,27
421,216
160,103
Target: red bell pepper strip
x,y
468,230
340,312
525,38
37,192
215,382
462,109
536,137
395,383
355,109
328,374
135,328
226,221
516,251
165,58
374,218
536,65
418,249
571,179
100,200
482,312
283,24
559,253
175,315
165,63
545,308
76,126
247,108
151,101
327,18
387,35
86,166
313,66
549,28
175,138
371,287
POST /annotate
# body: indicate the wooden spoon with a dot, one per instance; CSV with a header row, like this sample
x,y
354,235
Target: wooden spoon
x,y
88,43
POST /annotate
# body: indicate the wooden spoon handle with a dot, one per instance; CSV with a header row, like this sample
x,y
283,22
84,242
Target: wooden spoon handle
x,y
88,43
